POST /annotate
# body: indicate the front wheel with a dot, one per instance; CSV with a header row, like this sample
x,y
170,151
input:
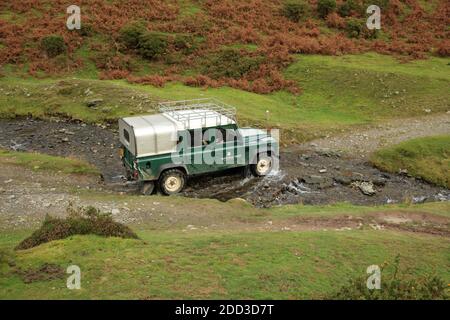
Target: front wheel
x,y
172,181
263,165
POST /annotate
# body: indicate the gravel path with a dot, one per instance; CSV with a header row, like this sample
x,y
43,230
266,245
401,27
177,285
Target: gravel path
x,y
362,142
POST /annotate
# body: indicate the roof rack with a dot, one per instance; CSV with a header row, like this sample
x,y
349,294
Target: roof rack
x,y
204,112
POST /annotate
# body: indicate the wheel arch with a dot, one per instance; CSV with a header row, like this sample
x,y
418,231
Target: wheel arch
x,y
170,166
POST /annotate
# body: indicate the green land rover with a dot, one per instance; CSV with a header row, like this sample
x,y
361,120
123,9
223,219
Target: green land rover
x,y
189,138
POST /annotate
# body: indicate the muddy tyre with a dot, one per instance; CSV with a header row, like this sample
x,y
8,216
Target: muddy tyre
x,y
263,166
172,181
147,188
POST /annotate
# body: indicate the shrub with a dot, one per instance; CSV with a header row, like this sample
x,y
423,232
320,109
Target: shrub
x,y
294,10
114,74
356,28
53,45
154,80
394,286
325,7
130,34
86,30
443,49
335,21
231,63
348,7
184,43
80,221
383,4
152,44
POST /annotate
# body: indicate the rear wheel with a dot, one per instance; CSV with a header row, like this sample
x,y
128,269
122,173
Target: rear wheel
x,y
263,165
172,181
147,188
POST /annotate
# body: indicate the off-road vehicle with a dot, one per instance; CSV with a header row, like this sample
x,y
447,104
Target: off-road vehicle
x,y
189,138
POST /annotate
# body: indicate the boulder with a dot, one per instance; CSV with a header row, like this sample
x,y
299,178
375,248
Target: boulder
x,y
343,180
365,187
319,181
93,103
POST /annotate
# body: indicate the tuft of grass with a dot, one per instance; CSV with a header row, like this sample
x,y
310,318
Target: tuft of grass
x,y
427,158
37,161
80,221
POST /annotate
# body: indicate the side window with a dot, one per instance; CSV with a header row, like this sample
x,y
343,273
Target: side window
x,y
213,135
126,135
221,135
231,136
196,138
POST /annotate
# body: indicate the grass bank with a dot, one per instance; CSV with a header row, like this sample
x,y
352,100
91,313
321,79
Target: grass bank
x,y
427,158
38,162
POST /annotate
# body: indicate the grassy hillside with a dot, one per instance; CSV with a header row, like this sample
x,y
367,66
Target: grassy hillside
x,y
249,265
427,158
339,92
245,45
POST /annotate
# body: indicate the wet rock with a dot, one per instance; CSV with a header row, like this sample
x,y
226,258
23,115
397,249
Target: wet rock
x,y
319,181
379,181
420,199
357,177
329,153
343,180
391,201
93,103
442,197
295,187
365,187
305,156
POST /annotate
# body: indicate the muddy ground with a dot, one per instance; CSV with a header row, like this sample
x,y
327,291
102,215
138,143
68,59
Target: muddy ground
x,y
310,173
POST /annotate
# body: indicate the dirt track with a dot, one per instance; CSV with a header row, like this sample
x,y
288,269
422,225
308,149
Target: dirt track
x,y
362,142
28,196
310,173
